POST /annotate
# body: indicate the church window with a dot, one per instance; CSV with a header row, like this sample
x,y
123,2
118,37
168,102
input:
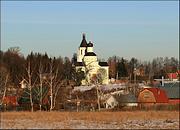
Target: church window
x,y
81,52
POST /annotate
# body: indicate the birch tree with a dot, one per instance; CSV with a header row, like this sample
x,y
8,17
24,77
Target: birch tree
x,y
53,83
30,84
97,80
4,77
41,84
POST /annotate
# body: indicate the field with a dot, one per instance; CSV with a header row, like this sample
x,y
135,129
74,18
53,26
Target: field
x,y
91,120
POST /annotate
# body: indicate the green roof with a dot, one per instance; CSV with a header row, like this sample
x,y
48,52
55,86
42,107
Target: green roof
x,y
25,97
172,90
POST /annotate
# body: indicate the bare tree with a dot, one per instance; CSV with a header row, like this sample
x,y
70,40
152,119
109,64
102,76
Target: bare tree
x,y
88,68
94,79
97,81
4,87
30,84
101,75
41,84
54,84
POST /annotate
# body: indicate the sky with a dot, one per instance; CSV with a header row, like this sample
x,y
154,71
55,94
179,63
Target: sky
x,y
140,29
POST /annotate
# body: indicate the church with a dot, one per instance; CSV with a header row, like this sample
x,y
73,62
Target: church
x,y
87,61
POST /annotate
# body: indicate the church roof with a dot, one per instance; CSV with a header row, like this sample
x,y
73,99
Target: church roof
x,y
90,54
83,42
103,63
78,64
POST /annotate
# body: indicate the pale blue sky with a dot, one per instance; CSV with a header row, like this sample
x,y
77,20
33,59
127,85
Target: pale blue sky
x,y
141,29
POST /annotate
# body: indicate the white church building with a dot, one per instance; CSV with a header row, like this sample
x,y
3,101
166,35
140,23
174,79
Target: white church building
x,y
88,62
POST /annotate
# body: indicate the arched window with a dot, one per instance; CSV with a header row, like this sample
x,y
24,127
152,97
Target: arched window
x,y
81,52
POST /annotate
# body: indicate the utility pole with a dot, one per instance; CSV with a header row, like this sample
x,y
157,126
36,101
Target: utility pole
x,y
117,76
40,91
51,90
134,80
135,75
77,103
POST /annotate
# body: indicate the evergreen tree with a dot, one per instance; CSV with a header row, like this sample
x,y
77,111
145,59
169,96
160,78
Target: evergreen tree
x,y
121,68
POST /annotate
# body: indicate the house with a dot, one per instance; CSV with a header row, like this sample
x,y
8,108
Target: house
x,y
110,101
128,100
121,100
82,98
9,102
87,61
24,83
150,96
25,102
172,91
174,76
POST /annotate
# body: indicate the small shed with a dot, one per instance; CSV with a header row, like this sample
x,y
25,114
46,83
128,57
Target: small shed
x,y
111,101
121,100
127,100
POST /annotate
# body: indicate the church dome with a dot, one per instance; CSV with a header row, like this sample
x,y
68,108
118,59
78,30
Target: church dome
x,y
90,44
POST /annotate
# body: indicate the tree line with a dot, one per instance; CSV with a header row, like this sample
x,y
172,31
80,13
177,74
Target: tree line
x,y
41,74
15,64
44,75
145,70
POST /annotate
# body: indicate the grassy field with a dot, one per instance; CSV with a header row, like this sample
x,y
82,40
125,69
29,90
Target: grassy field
x,y
77,120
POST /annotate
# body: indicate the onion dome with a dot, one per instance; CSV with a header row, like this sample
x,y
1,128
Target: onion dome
x,y
90,44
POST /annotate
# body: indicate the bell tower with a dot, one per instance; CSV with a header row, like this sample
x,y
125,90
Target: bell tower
x,y
82,49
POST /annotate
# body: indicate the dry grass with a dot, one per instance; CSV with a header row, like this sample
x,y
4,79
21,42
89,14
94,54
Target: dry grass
x,y
9,119
91,116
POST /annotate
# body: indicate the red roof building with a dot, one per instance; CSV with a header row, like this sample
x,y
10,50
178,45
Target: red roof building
x,y
10,100
152,95
173,75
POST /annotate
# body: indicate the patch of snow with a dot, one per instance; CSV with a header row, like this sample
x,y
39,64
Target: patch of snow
x,y
107,87
82,124
83,88
112,86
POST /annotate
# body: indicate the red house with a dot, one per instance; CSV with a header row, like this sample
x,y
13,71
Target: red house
x,y
10,100
174,76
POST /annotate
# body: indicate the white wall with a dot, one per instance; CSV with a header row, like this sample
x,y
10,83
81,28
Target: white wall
x,y
89,49
79,55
